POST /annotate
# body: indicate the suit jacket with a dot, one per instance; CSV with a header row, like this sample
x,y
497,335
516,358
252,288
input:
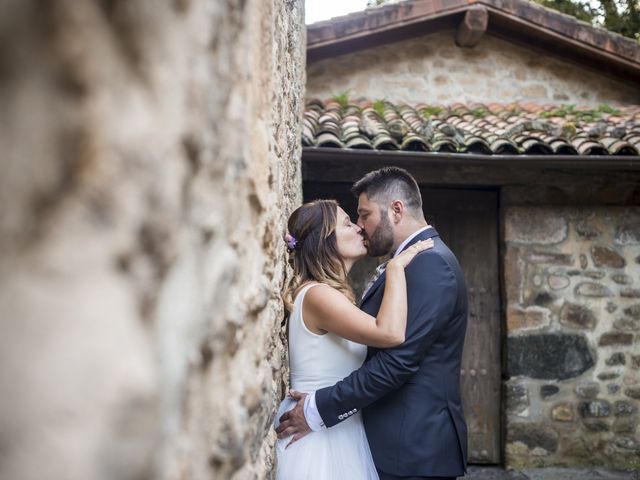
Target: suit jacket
x,y
411,393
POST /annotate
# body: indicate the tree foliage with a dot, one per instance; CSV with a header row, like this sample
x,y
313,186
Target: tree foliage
x,y
621,16
581,10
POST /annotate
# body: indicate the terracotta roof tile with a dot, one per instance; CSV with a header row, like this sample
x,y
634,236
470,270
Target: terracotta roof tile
x,y
503,129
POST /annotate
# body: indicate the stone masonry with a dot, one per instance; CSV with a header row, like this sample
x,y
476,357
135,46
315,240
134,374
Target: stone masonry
x,y
572,296
150,157
432,69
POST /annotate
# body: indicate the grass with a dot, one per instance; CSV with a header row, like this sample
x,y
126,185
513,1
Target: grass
x,y
342,99
431,111
380,106
585,115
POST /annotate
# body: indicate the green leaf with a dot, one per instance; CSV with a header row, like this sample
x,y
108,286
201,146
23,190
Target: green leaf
x,y
380,106
342,99
479,112
604,108
431,111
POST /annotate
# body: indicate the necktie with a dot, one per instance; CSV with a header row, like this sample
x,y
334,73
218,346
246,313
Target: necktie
x,y
379,269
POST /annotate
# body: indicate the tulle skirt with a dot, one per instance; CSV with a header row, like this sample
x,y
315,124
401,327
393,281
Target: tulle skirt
x,y
336,453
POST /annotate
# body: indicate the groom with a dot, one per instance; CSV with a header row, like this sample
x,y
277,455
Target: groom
x,y
410,394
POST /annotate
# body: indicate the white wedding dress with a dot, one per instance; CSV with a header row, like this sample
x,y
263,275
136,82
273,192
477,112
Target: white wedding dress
x,y
317,361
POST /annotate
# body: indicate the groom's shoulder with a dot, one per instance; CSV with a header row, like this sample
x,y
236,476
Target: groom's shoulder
x,y
432,269
431,260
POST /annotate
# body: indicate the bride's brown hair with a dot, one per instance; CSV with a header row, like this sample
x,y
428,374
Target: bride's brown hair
x,y
315,255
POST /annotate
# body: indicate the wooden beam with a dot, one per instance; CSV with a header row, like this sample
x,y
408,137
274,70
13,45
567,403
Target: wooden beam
x,y
472,27
450,169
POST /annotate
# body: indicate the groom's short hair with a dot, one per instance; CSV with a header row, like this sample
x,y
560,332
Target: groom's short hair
x,y
391,183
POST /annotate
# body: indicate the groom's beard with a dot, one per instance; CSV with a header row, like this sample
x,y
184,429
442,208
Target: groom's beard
x,y
381,241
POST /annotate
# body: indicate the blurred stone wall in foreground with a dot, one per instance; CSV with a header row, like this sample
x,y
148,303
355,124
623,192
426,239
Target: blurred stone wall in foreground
x,y
150,154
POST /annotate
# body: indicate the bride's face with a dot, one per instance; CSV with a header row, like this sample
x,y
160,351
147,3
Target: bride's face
x,y
348,238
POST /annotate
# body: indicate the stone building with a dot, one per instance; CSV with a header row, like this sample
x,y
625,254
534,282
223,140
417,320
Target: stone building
x,y
522,127
150,157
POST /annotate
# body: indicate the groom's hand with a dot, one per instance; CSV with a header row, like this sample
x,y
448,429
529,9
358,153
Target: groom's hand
x,y
293,421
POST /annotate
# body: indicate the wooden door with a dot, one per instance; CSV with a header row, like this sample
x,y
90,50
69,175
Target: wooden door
x,y
467,220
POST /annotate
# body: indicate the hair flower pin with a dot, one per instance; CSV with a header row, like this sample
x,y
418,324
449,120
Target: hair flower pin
x,y
291,242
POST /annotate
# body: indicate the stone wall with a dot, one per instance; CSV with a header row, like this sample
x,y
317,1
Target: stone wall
x,y
432,69
572,299
150,156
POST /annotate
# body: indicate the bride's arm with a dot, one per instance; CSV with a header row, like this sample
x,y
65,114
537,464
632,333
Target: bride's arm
x,y
327,309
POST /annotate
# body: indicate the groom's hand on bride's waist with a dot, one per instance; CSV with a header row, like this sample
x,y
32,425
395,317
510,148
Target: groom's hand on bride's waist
x,y
293,422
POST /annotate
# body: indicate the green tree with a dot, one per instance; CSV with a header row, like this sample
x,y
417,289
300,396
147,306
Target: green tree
x,y
621,16
581,10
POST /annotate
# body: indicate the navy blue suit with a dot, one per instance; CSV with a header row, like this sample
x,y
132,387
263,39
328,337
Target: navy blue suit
x,y
411,393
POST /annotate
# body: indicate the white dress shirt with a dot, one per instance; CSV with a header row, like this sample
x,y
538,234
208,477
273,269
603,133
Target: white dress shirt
x,y
311,414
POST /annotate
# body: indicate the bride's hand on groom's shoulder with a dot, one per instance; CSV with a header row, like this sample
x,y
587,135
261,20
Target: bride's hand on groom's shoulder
x,y
404,258
293,423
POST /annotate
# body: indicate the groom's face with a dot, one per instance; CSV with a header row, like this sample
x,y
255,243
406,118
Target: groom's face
x,y
376,227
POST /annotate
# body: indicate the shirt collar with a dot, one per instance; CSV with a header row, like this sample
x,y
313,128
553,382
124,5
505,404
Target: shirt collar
x,y
409,238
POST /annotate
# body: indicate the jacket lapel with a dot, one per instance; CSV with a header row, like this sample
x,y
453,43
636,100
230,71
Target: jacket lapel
x,y
374,287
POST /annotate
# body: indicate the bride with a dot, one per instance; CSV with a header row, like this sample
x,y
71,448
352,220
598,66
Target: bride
x,y
328,335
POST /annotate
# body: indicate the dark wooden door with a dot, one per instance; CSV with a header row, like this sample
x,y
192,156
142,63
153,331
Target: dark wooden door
x,y
467,220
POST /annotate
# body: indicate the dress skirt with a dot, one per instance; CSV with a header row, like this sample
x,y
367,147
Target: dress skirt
x,y
336,453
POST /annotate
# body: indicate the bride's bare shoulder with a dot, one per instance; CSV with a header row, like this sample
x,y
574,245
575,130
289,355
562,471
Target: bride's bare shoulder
x,y
323,294
302,286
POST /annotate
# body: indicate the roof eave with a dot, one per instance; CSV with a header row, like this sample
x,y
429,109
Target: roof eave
x,y
579,162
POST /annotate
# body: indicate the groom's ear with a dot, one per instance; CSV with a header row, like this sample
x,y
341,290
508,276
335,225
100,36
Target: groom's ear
x,y
397,210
